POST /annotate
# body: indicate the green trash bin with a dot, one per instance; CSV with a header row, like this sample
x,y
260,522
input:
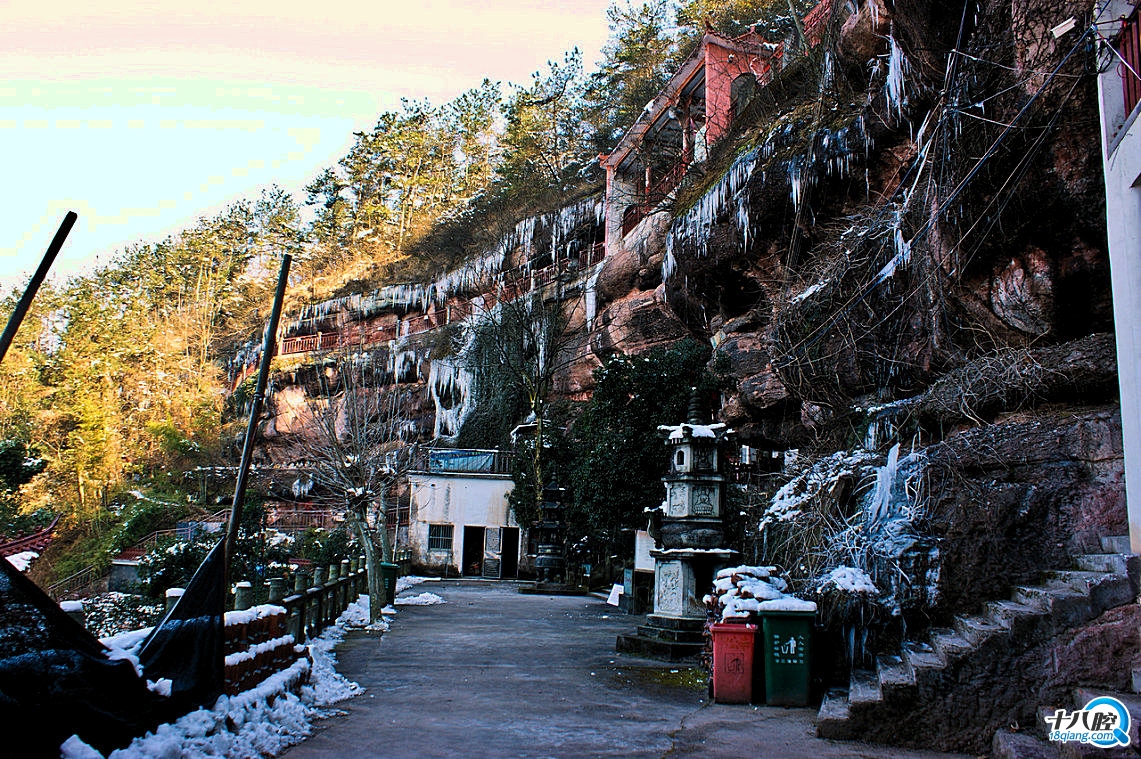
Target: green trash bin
x,y
388,573
788,650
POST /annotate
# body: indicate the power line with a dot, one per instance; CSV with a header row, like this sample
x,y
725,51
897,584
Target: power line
x,y
817,334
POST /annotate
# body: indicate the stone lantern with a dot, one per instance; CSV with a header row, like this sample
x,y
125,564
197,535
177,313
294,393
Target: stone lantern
x,y
550,561
688,533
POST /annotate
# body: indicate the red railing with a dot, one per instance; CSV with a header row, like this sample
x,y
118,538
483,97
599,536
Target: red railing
x,y
670,180
597,253
307,343
1129,47
515,283
653,197
632,217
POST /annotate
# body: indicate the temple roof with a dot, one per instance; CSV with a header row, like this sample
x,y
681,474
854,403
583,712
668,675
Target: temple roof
x,y
689,79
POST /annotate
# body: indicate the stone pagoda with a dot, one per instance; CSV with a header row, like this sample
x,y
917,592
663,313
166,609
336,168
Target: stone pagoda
x,y
688,533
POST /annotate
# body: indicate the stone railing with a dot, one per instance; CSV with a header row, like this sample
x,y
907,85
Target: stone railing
x,y
318,599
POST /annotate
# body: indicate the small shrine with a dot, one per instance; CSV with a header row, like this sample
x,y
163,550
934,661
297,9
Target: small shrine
x,y
689,534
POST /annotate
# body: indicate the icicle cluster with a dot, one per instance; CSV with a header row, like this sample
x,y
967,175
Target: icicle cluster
x,y
729,195
451,388
403,364
558,233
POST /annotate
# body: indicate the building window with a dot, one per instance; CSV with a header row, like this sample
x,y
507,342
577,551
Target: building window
x,y
681,458
440,537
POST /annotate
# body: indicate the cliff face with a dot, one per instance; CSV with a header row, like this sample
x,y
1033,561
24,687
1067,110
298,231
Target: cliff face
x,y
896,244
913,253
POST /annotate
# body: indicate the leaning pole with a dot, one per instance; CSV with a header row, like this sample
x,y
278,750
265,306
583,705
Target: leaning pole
x,y
268,346
34,285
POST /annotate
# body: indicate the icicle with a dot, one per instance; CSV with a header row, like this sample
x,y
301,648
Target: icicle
x,y
591,297
895,87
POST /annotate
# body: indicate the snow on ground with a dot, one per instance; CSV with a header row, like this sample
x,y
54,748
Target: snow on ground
x,y
21,561
424,599
404,583
259,722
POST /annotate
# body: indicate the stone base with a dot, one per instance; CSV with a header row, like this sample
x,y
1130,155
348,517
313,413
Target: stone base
x,y
665,638
690,624
654,648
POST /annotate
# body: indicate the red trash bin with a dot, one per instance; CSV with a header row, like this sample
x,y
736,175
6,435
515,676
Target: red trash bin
x,y
733,663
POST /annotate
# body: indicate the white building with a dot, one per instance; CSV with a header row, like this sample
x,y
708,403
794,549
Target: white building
x,y
1119,95
461,522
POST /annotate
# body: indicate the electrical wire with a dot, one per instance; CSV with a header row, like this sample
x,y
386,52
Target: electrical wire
x,y
818,333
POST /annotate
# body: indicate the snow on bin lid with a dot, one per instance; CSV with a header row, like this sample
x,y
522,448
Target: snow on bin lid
x,y
788,603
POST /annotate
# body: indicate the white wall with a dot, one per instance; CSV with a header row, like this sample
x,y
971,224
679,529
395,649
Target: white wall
x,y
1121,160
459,500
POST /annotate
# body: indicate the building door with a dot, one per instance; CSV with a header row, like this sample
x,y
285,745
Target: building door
x,y
473,551
491,549
509,556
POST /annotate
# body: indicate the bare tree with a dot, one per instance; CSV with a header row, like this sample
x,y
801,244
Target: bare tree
x,y
358,451
521,341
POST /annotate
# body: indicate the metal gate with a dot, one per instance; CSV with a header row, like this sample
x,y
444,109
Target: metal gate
x,y
492,547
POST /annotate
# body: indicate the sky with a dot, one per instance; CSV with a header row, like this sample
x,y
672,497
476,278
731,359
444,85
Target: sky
x,y
144,115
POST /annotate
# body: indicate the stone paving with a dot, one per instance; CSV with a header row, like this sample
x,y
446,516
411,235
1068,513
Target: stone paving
x,y
497,673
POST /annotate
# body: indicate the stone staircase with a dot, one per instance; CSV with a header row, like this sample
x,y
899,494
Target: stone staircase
x,y
1008,744
955,689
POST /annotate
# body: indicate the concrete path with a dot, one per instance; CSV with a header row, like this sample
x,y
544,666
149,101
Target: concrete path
x,y
496,673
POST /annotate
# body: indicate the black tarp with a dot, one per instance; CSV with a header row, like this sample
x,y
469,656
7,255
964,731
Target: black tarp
x,y
188,646
56,681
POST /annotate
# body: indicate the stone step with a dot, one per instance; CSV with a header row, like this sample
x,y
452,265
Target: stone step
x,y
1116,544
834,720
1020,745
654,648
949,644
864,689
896,676
675,636
1065,606
1105,591
1109,563
1017,617
978,629
921,656
1041,727
675,623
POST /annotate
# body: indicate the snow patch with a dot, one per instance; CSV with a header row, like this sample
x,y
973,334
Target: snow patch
x,y
424,599
21,561
848,580
682,431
